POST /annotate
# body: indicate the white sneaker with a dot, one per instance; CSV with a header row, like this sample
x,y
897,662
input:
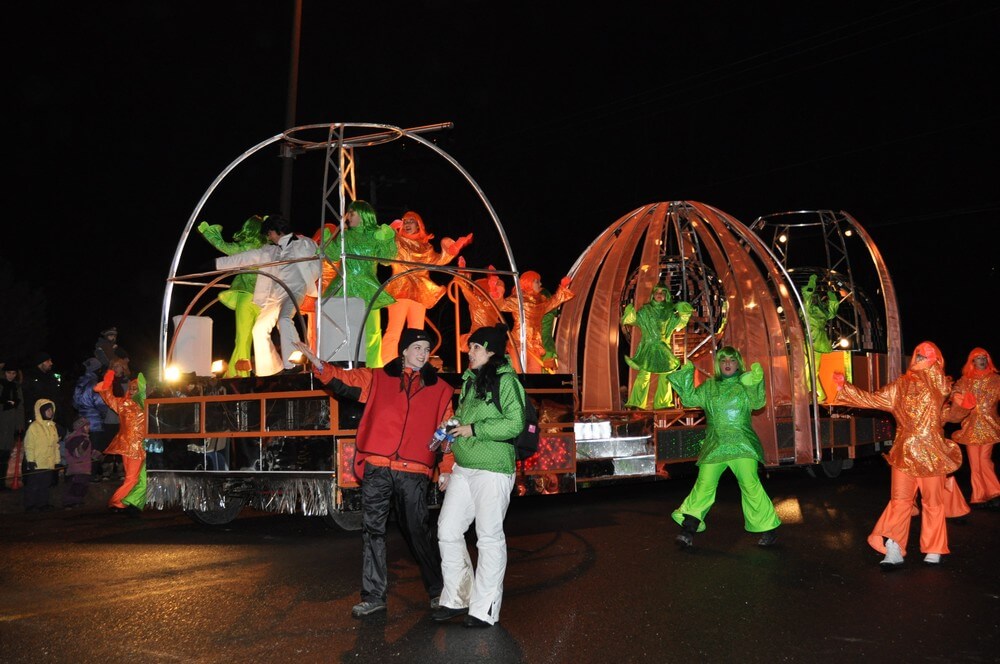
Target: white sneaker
x,y
932,558
893,555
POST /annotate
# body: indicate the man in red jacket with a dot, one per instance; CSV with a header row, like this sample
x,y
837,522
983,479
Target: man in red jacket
x,y
405,401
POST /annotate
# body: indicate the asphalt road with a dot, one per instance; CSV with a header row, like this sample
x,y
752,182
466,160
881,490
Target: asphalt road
x,y
592,577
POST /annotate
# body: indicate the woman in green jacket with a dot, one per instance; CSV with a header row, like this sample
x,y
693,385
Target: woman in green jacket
x,y
728,399
478,481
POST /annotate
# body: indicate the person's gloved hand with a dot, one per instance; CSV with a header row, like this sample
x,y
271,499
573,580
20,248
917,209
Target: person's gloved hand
x,y
565,282
443,481
109,380
496,287
966,400
754,376
455,247
839,379
211,231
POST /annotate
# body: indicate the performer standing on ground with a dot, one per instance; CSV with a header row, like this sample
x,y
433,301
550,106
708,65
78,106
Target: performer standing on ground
x,y
980,429
920,457
657,321
728,398
415,291
129,441
404,402
363,236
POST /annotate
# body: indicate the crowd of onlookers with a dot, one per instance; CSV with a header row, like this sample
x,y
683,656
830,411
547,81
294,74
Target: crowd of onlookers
x,y
52,436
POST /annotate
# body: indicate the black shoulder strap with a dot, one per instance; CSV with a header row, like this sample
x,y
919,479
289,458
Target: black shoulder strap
x,y
496,396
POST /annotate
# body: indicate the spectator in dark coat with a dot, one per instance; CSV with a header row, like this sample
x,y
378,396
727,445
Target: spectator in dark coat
x,y
41,383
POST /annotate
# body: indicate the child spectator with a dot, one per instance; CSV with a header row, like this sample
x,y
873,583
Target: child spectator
x,y
79,455
41,454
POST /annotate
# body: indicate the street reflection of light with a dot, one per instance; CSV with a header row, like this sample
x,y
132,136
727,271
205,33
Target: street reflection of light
x,y
789,510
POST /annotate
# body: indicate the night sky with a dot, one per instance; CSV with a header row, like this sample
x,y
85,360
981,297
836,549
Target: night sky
x,y
125,112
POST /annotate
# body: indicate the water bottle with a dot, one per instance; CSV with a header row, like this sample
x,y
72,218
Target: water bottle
x,y
442,438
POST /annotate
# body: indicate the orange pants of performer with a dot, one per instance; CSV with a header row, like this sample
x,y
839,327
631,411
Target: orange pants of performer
x,y
132,468
402,313
895,520
954,502
982,473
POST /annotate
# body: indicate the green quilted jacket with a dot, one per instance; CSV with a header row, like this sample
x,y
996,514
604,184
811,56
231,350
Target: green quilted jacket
x,y
487,448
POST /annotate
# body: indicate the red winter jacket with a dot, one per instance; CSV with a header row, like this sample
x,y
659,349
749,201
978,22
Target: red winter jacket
x,y
402,410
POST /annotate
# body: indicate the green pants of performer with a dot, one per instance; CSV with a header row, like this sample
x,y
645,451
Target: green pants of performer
x,y
246,314
137,496
758,510
640,391
373,340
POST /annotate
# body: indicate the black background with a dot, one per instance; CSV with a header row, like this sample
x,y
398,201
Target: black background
x,y
125,112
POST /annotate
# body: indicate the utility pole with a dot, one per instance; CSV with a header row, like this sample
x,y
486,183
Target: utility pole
x,y
288,159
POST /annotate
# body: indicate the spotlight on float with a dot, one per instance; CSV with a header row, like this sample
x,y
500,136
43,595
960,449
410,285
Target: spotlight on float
x,y
297,357
844,342
219,368
172,374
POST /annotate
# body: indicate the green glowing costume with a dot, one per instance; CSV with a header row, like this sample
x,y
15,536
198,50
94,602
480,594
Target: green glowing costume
x,y
657,320
239,296
818,313
369,238
730,441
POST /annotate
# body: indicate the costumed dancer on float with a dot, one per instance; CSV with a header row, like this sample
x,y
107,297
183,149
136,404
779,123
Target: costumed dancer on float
x,y
131,495
728,399
657,321
482,310
980,429
239,295
363,236
404,402
415,291
550,361
536,305
818,313
921,457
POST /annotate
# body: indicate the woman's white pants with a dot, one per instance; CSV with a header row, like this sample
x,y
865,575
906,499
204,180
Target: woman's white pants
x,y
481,496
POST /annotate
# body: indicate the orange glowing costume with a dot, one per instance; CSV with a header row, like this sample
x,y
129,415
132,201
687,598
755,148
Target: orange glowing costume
x,y
415,291
980,426
129,440
921,457
482,311
536,305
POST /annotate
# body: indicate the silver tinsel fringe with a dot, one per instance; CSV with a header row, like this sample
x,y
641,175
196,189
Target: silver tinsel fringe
x,y
310,497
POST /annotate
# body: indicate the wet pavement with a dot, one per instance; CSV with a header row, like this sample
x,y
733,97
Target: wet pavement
x,y
592,577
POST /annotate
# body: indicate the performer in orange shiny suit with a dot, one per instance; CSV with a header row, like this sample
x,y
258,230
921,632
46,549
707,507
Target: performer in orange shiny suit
x,y
536,305
980,428
482,311
921,457
415,292
129,441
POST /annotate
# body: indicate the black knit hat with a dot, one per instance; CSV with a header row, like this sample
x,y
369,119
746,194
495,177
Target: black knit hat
x,y
410,335
493,339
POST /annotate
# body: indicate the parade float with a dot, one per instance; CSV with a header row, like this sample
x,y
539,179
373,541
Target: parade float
x,y
281,443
